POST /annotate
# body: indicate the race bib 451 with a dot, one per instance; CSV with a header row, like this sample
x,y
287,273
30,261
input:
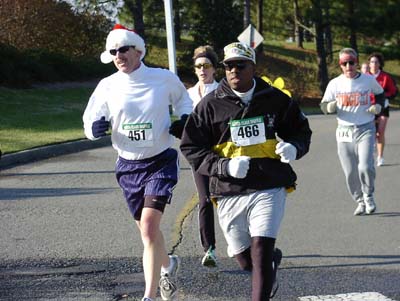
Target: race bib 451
x,y
139,133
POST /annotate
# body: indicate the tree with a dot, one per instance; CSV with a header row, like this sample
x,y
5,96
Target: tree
x,y
352,23
297,21
320,45
246,13
328,32
46,24
215,22
260,26
177,23
135,8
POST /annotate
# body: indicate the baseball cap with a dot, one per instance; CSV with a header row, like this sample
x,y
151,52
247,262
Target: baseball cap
x,y
239,51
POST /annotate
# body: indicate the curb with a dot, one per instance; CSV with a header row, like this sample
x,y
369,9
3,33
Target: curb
x,y
45,152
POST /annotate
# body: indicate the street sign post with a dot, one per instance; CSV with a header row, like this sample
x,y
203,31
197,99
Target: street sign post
x,y
251,37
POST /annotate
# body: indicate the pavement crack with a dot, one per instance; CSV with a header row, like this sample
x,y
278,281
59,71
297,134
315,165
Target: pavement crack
x,y
177,235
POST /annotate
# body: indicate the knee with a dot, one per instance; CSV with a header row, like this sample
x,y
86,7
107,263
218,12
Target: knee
x,y
148,232
365,168
262,249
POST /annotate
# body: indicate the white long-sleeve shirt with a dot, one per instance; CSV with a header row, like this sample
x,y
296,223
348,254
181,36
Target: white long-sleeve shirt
x,y
137,106
194,92
353,96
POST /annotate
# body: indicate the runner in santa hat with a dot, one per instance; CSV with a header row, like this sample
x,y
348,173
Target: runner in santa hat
x,y
120,37
134,103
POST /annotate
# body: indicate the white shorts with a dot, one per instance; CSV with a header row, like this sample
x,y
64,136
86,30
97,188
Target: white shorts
x,y
242,217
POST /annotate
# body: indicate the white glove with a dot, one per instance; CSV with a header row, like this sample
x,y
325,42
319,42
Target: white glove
x,y
386,104
375,109
238,166
328,107
287,151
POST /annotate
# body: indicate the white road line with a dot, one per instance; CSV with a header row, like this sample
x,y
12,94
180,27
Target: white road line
x,y
368,296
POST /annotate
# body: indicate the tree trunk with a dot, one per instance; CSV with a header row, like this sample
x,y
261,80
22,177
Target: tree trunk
x,y
328,33
298,30
320,45
136,8
246,14
352,21
177,22
260,23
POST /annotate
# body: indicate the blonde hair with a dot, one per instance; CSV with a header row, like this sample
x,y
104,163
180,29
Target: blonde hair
x,y
206,51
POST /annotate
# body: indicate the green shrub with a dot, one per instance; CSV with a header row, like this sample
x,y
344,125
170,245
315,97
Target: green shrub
x,y
21,69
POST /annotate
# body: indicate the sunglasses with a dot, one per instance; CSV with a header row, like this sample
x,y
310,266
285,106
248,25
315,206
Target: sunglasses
x,y
122,49
237,65
344,64
205,66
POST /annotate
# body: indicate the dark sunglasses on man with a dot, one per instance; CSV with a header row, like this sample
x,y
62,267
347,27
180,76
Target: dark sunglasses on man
x,y
344,64
239,65
122,49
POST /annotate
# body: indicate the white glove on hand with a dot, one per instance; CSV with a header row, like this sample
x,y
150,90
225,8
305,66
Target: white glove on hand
x,y
375,109
287,151
328,107
238,166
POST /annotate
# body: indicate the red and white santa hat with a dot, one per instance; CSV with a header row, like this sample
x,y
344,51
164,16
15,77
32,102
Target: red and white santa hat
x,y
121,36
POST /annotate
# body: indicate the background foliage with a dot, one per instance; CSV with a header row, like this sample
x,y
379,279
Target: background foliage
x,y
49,40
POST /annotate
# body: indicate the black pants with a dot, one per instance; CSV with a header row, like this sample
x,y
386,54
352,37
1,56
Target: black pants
x,y
206,212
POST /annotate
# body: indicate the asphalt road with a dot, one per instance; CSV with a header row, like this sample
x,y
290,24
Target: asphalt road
x,y
66,233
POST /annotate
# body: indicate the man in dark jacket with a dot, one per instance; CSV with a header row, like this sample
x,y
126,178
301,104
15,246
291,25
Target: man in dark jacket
x,y
232,137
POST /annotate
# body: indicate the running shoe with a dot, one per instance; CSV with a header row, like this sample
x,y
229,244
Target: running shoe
x,y
209,259
370,206
360,208
168,280
229,252
276,261
380,161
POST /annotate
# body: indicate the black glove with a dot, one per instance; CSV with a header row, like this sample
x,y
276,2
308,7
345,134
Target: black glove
x,y
100,127
176,128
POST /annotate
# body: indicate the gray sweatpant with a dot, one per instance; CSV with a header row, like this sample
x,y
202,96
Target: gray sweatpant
x,y
357,160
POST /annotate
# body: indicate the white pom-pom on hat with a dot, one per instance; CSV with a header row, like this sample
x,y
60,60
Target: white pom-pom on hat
x,y
121,36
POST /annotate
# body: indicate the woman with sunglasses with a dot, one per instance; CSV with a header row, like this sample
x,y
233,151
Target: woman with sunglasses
x,y
205,63
357,98
376,64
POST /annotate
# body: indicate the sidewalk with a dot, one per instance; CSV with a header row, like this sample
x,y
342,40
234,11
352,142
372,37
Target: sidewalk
x,y
44,152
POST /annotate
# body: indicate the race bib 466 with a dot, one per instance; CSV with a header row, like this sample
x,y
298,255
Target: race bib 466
x,y
248,131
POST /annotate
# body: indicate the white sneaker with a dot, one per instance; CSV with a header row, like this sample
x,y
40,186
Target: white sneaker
x,y
360,208
370,206
209,259
168,279
229,252
380,161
